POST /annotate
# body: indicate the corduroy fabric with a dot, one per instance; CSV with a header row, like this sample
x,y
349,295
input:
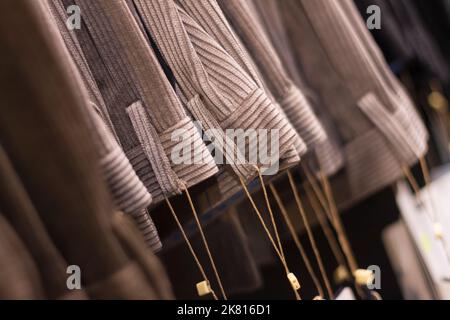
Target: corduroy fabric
x,y
115,51
68,192
358,92
210,78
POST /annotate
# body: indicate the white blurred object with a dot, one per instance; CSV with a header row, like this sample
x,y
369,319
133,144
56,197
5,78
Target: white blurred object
x,y
417,215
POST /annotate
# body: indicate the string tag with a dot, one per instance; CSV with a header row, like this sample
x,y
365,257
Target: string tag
x,y
203,288
341,274
294,281
363,276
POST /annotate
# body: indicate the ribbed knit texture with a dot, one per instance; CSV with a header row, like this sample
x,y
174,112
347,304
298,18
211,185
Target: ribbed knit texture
x,y
115,48
328,153
210,17
129,194
203,68
358,91
243,18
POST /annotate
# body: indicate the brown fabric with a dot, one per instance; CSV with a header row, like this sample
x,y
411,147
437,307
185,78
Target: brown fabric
x,y
68,192
19,277
19,210
149,264
113,288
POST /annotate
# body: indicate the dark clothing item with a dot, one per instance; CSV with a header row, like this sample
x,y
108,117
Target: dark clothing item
x,y
55,158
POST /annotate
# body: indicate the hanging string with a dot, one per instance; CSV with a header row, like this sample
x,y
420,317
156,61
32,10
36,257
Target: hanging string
x,y
324,224
296,239
191,249
310,234
339,226
318,193
272,216
269,235
342,235
205,243
413,183
329,205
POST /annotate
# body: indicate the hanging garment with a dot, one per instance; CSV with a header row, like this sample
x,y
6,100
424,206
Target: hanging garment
x,y
17,208
19,278
146,114
375,119
243,18
415,33
218,91
390,37
148,264
129,194
425,74
208,15
436,17
328,154
68,192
